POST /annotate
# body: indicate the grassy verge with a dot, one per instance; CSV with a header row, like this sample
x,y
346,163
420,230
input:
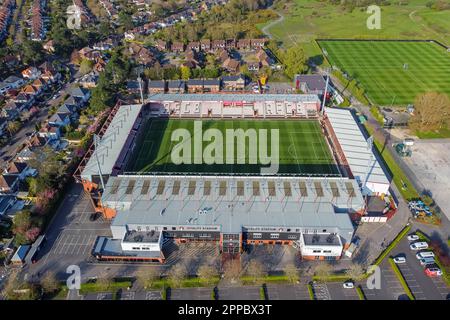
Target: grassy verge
x,y
246,280
93,287
262,294
375,111
352,86
311,292
442,133
398,175
360,293
392,245
332,278
186,283
401,279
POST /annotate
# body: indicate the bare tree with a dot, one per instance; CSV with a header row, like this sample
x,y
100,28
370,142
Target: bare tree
x,y
207,273
322,270
355,271
431,112
104,282
232,271
256,270
49,283
147,276
176,274
291,272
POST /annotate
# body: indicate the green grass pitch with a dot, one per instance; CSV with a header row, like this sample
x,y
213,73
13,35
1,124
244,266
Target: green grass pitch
x,y
302,150
379,68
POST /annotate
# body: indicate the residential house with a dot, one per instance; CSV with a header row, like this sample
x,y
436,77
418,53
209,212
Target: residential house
x,y
133,87
195,86
194,45
310,83
157,86
231,65
176,86
59,120
31,73
3,124
81,93
36,141
21,169
25,154
69,110
89,80
211,85
99,65
263,58
51,132
38,30
253,66
14,82
205,45
161,45
9,183
230,44
30,90
218,45
20,255
223,55
258,43
40,85
177,47
244,44
6,202
233,83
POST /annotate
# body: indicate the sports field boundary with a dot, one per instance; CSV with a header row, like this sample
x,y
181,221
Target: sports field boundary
x,y
384,40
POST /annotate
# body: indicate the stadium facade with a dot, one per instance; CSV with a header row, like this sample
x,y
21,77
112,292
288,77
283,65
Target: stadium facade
x,y
310,212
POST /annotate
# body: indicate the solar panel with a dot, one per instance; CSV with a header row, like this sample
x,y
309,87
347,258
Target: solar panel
x,y
176,187
115,186
222,188
334,189
161,185
191,187
130,186
303,189
207,188
145,187
319,189
287,189
256,190
240,188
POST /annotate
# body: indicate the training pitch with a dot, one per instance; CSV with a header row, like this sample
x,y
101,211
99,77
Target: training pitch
x,y
302,147
392,72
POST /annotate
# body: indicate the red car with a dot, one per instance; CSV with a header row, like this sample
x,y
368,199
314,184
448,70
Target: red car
x,y
433,272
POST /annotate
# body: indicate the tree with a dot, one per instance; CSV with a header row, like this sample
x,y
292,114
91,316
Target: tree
x,y
12,127
355,271
86,66
232,271
147,277
294,60
431,112
104,282
185,72
32,52
323,270
207,273
291,273
49,283
256,270
22,221
176,274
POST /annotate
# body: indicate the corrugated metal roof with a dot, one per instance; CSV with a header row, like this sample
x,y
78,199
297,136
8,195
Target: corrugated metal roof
x,y
112,142
362,162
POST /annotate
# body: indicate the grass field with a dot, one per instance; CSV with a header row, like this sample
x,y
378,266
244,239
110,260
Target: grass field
x,y
378,67
307,20
302,147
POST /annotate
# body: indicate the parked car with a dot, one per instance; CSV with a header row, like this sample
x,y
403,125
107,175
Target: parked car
x,y
413,237
433,272
399,259
419,245
348,285
425,254
426,261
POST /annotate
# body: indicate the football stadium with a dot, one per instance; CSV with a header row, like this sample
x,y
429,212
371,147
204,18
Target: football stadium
x,y
235,169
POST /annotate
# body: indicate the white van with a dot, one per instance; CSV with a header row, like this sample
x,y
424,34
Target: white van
x,y
425,254
426,261
418,245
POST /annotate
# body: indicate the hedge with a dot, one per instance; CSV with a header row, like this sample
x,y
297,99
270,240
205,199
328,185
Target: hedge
x,y
401,279
391,246
311,292
360,293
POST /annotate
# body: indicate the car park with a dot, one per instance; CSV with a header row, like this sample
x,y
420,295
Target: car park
x,y
424,254
348,285
426,261
419,245
400,259
413,237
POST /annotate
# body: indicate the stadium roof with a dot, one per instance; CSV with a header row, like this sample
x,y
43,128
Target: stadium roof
x,y
358,156
112,142
233,202
234,97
